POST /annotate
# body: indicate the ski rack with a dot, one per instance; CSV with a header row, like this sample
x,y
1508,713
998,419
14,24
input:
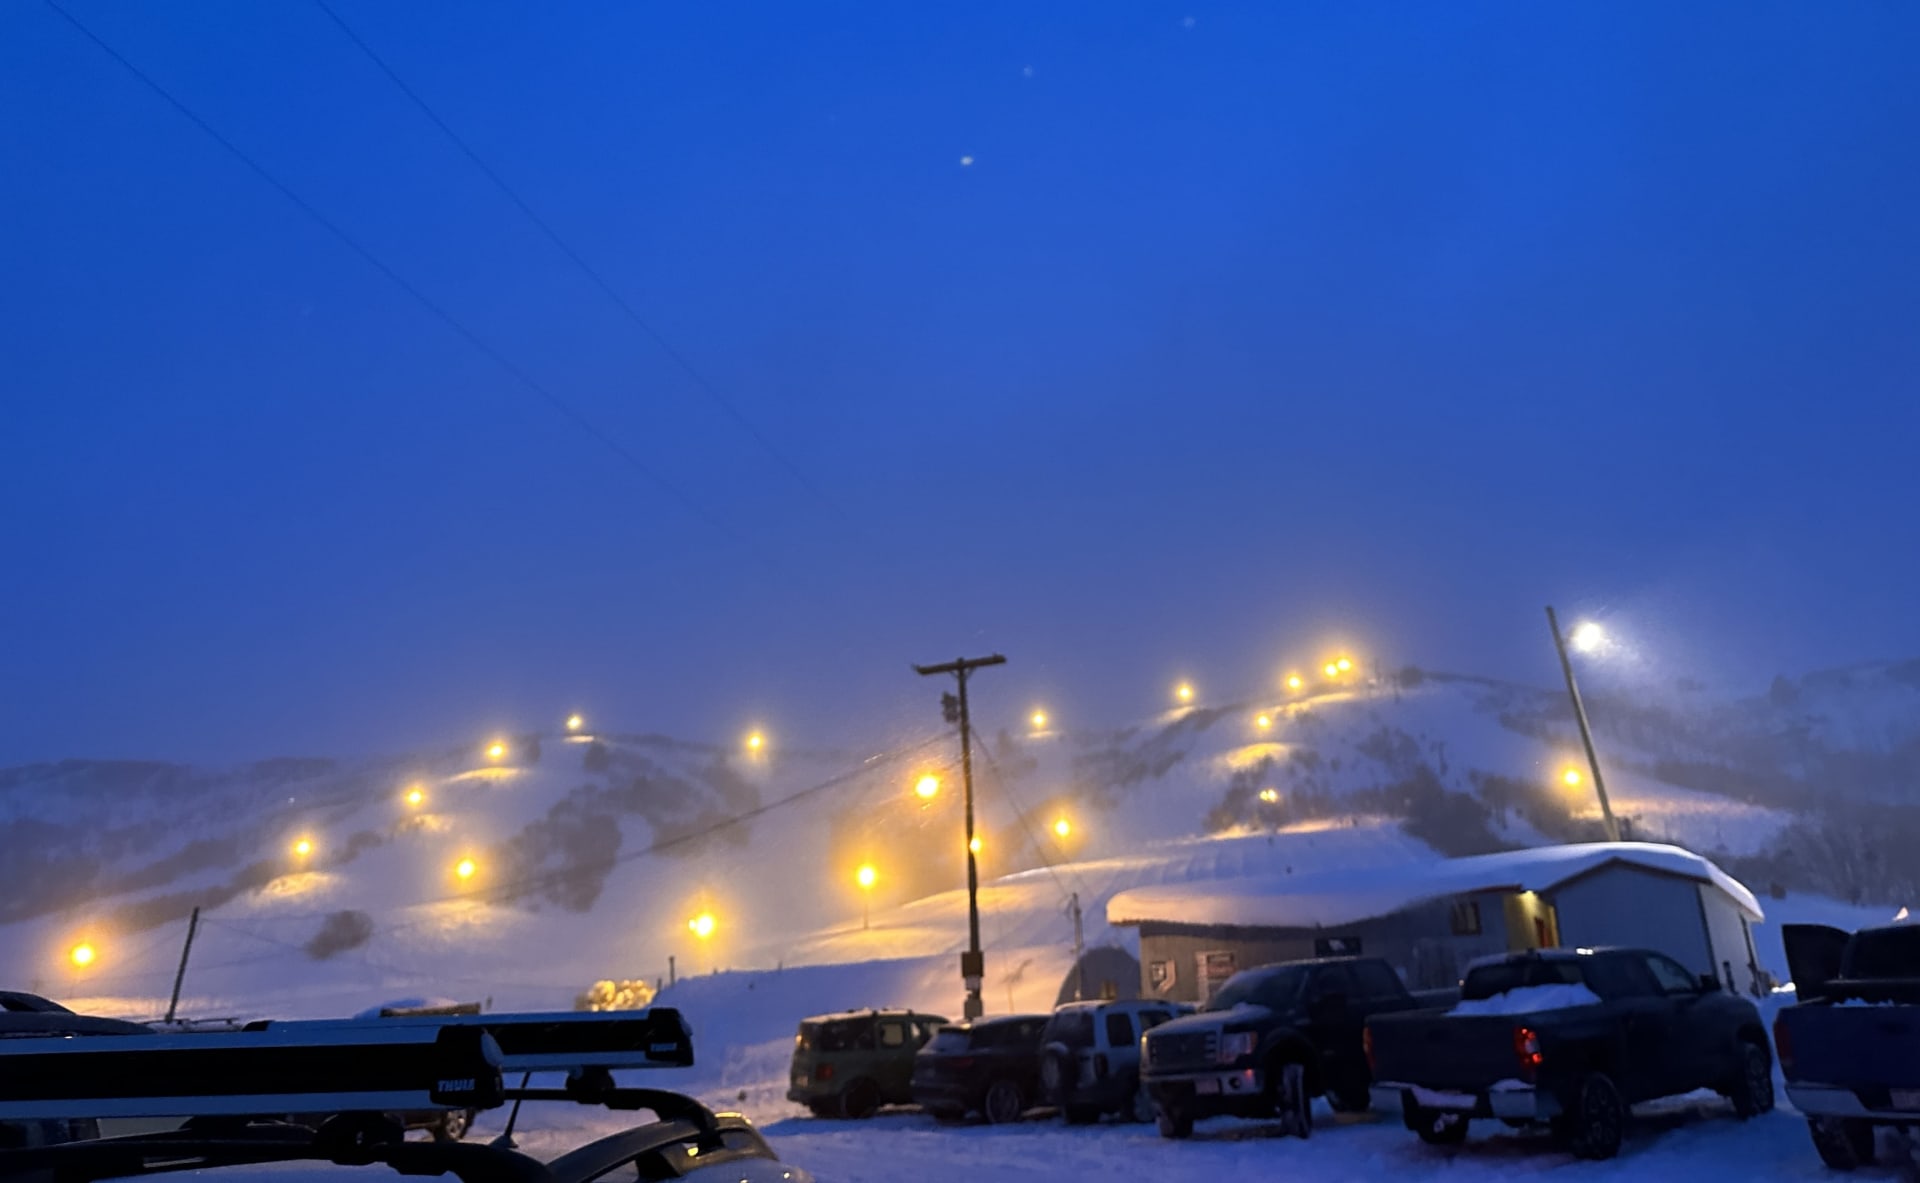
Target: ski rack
x,y
379,1065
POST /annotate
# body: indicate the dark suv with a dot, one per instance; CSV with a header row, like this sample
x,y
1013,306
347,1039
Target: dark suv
x,y
850,1064
989,1066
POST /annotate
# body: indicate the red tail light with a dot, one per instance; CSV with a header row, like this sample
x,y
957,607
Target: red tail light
x,y
1526,1045
823,1072
961,1062
1783,1045
1366,1045
1100,1064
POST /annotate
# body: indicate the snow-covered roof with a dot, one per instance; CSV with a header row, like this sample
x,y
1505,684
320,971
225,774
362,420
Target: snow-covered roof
x,y
1347,896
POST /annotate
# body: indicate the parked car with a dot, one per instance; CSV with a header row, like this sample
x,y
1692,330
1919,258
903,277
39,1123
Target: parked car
x,y
1269,1041
850,1064
1850,1046
1090,1063
990,1067
1570,1038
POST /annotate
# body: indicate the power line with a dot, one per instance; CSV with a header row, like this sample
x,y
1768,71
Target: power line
x,y
587,269
460,329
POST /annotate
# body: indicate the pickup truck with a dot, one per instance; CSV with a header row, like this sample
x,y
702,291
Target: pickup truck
x,y
1271,1040
1850,1046
1570,1038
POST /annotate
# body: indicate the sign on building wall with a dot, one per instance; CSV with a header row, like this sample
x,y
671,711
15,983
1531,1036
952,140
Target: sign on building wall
x,y
1336,946
1215,968
1160,976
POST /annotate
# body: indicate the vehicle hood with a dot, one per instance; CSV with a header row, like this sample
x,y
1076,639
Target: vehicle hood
x,y
1240,1018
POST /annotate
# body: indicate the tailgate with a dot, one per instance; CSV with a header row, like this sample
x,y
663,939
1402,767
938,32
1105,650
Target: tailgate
x,y
1467,1054
1854,1045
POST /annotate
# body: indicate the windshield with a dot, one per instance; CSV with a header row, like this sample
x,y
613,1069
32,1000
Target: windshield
x,y
1271,988
1486,981
951,1039
1071,1027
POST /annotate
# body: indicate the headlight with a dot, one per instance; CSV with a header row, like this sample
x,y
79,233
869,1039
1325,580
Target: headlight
x,y
1237,1044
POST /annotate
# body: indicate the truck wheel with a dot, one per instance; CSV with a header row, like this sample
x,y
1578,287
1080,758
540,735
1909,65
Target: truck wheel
x,y
861,1100
1139,1107
1174,1123
1597,1120
1291,1100
1004,1102
1843,1142
1437,1127
452,1126
1752,1093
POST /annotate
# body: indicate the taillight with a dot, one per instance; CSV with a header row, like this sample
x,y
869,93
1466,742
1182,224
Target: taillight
x,y
1526,1045
1783,1045
961,1062
1366,1045
1100,1064
823,1072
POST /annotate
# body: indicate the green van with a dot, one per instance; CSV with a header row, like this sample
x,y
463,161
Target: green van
x,y
850,1064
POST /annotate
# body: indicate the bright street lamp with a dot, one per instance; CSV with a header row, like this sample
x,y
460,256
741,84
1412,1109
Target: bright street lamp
x,y
1039,720
1332,670
866,876
973,844
575,722
464,869
1263,721
1294,682
1571,778
81,955
1344,664
702,925
1588,636
1270,796
302,847
756,741
1184,692
415,797
496,750
1062,827
928,788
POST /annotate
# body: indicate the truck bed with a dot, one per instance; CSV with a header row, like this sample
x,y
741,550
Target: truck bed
x,y
1448,1053
1871,1045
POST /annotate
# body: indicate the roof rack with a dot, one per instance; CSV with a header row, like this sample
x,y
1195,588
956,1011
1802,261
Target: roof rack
x,y
332,1066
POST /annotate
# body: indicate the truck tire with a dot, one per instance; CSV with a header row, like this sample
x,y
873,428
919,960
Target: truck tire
x,y
1005,1102
1291,1100
860,1100
1438,1127
1173,1122
1752,1093
1595,1121
1351,1099
1844,1143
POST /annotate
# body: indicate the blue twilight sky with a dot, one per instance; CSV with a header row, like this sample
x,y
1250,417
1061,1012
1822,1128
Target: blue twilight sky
x,y
1249,330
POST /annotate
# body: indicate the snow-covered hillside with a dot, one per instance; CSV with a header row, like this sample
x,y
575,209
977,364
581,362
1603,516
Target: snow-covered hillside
x,y
589,856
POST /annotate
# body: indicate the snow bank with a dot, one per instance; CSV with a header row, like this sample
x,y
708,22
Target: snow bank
x,y
1529,1000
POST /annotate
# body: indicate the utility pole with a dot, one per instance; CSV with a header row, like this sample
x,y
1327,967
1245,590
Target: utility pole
x,y
180,975
973,963
1079,948
1586,732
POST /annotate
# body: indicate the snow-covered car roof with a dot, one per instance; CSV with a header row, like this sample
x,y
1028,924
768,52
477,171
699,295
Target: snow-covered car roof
x,y
1348,896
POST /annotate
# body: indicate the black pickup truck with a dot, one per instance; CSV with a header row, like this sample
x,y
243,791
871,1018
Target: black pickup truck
x,y
1271,1040
1850,1046
1571,1038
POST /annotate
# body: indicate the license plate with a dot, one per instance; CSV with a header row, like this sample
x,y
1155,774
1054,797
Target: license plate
x,y
1906,1098
1208,1085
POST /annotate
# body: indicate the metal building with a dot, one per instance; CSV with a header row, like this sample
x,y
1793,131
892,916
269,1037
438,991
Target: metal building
x,y
1430,919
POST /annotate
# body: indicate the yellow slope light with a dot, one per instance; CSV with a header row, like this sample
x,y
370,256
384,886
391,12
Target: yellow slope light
x,y
1184,692
1062,827
702,925
1270,796
1344,664
1294,682
1039,720
756,742
81,955
496,750
575,722
415,797
1332,670
866,876
302,847
464,869
973,844
928,787
1571,778
1263,721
